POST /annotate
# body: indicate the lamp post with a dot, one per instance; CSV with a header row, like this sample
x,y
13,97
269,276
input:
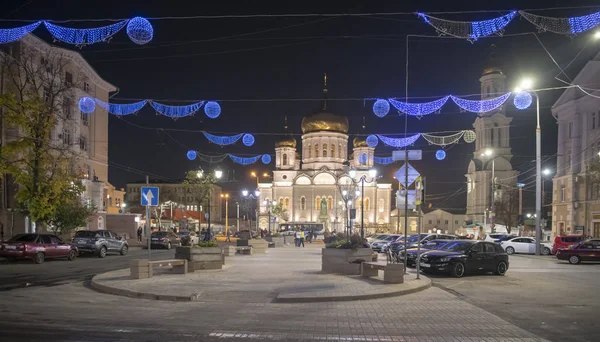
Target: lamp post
x,y
268,204
362,179
200,175
349,193
488,153
226,197
527,84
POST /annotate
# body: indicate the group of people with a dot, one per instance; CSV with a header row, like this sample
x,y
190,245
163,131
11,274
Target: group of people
x,y
300,236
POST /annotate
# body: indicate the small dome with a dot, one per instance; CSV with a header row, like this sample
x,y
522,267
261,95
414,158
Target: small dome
x,y
359,142
325,121
288,141
492,65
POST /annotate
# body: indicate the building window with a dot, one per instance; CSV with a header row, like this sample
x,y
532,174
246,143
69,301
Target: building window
x,y
367,202
438,221
329,202
86,87
317,202
340,151
332,150
593,120
562,193
84,118
324,150
570,129
430,222
362,159
309,151
66,137
456,222
446,222
68,108
83,143
499,137
492,137
316,150
281,201
284,162
303,203
287,203
68,79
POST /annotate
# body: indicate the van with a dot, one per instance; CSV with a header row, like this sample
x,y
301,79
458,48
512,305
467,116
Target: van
x,y
566,241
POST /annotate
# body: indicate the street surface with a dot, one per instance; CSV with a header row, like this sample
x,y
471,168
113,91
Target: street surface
x,y
538,299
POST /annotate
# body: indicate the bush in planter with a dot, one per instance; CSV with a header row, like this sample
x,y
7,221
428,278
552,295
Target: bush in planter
x,y
275,235
186,241
354,243
210,243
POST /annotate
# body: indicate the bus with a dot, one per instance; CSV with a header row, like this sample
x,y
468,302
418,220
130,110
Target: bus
x,y
289,228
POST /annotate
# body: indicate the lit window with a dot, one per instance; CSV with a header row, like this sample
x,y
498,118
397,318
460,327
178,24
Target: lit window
x,y
340,151
287,203
367,206
303,203
316,150
66,137
317,202
332,150
284,162
324,150
309,151
329,202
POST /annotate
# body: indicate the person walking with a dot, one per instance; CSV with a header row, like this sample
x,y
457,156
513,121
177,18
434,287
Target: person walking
x,y
296,239
228,236
301,239
139,234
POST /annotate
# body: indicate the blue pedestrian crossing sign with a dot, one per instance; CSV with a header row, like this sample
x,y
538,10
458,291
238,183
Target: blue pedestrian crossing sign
x,y
149,196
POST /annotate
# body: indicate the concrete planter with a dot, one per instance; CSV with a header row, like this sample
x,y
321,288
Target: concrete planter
x,y
334,260
201,258
288,240
259,246
279,241
242,242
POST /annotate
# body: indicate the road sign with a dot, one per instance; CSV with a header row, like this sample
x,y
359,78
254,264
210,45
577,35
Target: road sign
x,y
401,175
412,155
400,199
149,196
419,190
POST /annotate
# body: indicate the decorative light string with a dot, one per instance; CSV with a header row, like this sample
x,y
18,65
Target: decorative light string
x,y
419,109
383,160
139,30
245,161
121,109
176,111
399,142
442,140
567,26
131,108
482,106
223,140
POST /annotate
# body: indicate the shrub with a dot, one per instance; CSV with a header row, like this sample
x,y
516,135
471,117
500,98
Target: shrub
x,y
355,242
210,243
186,241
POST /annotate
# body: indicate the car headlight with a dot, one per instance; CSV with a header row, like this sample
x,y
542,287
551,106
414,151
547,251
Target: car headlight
x,y
444,259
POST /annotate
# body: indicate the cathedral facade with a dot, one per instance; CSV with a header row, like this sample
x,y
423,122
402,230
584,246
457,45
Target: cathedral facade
x,y
308,183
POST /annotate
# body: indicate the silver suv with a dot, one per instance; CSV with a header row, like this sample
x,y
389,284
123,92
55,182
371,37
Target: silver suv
x,y
100,242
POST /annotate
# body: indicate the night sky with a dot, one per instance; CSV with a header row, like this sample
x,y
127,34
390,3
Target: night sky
x,y
259,68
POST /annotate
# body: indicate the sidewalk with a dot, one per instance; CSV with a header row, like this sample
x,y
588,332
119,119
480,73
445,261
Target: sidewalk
x,y
282,275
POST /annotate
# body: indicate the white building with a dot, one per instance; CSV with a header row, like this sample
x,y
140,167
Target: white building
x,y
302,180
576,195
493,133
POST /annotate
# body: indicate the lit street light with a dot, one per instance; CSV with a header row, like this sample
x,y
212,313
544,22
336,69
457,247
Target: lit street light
x,y
489,153
218,175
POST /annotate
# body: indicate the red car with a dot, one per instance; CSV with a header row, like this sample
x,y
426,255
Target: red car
x,y
566,241
584,251
37,247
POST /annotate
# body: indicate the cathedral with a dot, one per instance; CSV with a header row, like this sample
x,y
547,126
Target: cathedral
x,y
492,148
308,183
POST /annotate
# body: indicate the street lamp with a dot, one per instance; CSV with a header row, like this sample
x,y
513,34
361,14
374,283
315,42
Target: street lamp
x,y
373,174
218,175
268,204
226,197
489,153
251,196
527,84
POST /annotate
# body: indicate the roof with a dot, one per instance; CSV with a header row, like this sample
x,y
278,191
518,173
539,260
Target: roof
x,y
588,74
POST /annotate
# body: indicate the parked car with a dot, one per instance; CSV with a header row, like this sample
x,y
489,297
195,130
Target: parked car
x,y
566,241
525,245
498,237
164,239
381,246
583,251
100,242
413,253
194,239
37,247
465,256
376,237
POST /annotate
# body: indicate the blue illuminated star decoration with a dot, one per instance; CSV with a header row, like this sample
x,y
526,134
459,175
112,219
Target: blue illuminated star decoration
x,y
87,105
522,100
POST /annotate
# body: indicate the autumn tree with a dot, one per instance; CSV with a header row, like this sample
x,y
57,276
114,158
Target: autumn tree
x,y
39,95
279,211
71,212
198,186
507,209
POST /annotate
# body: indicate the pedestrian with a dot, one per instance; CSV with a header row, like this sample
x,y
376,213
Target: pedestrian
x,y
301,239
228,236
296,238
139,234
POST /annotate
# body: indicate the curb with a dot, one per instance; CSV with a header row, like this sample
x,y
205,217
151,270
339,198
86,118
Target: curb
x,y
343,298
127,293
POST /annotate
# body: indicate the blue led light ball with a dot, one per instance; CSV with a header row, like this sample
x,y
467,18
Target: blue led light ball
x,y
522,100
212,109
248,139
87,105
440,155
381,107
266,159
362,158
191,154
372,140
140,30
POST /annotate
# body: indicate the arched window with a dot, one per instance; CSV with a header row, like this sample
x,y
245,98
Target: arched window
x,y
317,202
340,151
316,150
281,201
499,137
309,151
302,203
284,159
329,202
324,150
332,150
287,203
367,207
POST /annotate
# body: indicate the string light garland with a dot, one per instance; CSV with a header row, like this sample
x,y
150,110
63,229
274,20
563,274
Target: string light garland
x,y
399,142
443,140
212,109
469,136
522,100
14,34
469,30
266,159
176,111
482,106
140,31
191,154
440,155
372,140
381,107
248,139
87,105
223,140
383,160
211,159
121,109
246,161
566,26
419,109
82,37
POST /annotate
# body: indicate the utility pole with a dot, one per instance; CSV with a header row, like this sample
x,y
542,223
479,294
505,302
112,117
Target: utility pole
x,y
420,193
148,221
238,216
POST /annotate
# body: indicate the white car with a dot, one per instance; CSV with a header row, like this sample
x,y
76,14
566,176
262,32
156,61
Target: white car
x,y
194,239
525,245
377,237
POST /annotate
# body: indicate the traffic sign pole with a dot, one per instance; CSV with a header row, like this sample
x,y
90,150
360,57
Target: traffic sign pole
x,y
148,219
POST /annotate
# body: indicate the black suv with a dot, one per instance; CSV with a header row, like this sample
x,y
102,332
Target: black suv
x,y
100,242
465,256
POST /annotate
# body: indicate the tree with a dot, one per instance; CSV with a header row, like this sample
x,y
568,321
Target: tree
x,y
69,215
280,212
39,94
198,186
507,209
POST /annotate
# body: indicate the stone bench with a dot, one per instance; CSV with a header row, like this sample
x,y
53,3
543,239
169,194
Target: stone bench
x,y
392,273
143,269
233,250
244,250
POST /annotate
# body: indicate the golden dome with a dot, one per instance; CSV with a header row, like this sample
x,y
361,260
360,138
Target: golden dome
x,y
288,141
492,65
325,122
359,142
